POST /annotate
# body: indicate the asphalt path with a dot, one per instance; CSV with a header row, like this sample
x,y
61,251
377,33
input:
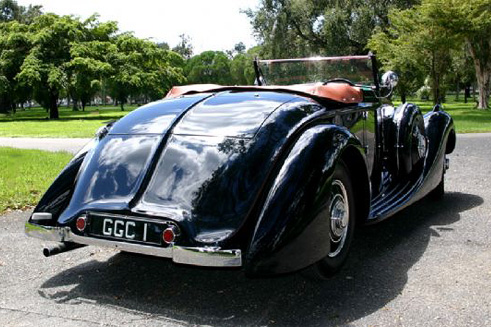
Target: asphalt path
x,y
430,265
71,145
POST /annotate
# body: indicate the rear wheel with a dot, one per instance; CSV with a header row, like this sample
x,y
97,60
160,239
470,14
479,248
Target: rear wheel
x,y
438,192
341,216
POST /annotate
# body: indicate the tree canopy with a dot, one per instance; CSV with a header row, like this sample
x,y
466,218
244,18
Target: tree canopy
x,y
429,40
435,45
293,28
56,57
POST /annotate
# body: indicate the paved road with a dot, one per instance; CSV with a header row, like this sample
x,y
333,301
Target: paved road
x,y
428,266
49,144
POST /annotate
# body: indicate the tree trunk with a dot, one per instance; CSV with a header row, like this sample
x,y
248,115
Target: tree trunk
x,y
457,90
53,106
483,83
403,94
482,64
435,82
75,105
467,92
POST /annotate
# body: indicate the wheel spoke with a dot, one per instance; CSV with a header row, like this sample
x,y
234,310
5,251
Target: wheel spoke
x,y
339,217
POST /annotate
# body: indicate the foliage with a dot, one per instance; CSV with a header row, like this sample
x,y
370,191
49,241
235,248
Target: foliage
x,y
417,46
184,48
242,69
293,28
238,49
45,66
10,11
470,22
58,57
15,46
435,36
209,67
26,174
88,65
140,68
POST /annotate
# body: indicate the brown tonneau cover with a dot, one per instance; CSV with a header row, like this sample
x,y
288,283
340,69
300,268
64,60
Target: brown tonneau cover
x,y
340,92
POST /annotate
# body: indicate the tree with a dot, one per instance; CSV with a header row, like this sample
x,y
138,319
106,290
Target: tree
x,y
184,48
88,65
242,69
416,41
139,68
10,10
397,57
239,48
163,45
462,73
209,67
46,64
14,47
292,28
470,21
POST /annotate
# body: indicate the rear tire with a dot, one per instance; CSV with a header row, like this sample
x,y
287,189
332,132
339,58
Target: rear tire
x,y
341,204
438,192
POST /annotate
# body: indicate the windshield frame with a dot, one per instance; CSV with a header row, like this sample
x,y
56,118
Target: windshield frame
x,y
260,79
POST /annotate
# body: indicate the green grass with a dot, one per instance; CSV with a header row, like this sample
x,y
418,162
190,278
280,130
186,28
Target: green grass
x,y
26,174
34,123
467,119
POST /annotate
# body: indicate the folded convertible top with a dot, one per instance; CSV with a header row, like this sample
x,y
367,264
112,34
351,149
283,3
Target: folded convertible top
x,y
339,92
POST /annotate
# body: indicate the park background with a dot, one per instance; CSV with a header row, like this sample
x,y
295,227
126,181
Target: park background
x,y
65,76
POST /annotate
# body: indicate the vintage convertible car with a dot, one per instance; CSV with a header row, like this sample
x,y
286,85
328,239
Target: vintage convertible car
x,y
272,177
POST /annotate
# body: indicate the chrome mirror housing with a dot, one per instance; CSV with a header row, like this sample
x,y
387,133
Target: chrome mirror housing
x,y
389,80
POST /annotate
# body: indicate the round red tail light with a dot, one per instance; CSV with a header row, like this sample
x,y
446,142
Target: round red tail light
x,y
81,223
169,234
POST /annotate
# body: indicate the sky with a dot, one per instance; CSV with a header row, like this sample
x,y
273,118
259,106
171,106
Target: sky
x,y
211,24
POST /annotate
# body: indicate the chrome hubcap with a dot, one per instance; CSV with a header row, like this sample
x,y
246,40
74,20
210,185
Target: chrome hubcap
x,y
339,217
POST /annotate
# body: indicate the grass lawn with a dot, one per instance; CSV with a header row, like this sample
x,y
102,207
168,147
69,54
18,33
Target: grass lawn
x,y
467,119
26,174
34,123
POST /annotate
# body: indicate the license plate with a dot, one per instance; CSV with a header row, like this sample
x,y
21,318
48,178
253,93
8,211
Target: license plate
x,y
126,229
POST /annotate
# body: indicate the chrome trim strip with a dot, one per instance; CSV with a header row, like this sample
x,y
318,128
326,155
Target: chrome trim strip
x,y
210,257
47,233
41,216
200,256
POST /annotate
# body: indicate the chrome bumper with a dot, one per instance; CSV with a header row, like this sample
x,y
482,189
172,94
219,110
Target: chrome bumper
x,y
199,256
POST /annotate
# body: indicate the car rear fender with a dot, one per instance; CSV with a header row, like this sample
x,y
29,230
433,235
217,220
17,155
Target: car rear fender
x,y
58,195
292,230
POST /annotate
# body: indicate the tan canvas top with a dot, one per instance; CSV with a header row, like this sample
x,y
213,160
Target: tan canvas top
x,y
340,92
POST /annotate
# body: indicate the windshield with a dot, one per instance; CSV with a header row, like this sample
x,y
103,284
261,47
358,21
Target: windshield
x,y
357,69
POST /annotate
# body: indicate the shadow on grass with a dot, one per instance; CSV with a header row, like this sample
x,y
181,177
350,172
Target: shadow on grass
x,y
375,274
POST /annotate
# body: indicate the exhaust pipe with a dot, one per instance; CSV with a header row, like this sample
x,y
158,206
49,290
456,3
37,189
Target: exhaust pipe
x,y
60,247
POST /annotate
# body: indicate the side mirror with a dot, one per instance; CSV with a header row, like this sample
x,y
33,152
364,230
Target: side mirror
x,y
389,80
